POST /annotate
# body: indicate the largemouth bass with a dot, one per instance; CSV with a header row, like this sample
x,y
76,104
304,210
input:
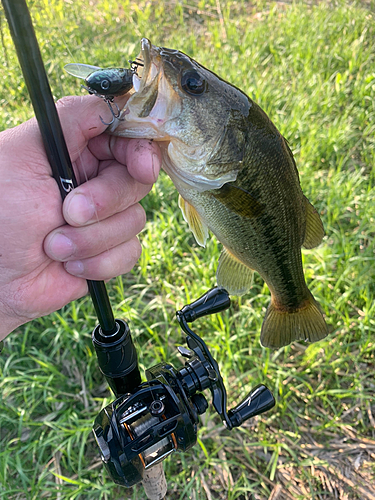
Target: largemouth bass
x,y
236,177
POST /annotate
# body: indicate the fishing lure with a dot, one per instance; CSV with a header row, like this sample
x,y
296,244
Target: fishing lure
x,y
106,83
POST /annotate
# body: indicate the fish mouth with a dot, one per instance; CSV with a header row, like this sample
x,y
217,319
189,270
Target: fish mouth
x,y
154,104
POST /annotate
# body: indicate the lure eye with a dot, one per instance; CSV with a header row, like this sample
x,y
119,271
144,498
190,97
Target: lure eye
x,y
193,83
105,84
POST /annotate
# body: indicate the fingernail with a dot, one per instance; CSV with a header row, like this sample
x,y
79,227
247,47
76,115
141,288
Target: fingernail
x,y
80,209
155,166
61,247
74,267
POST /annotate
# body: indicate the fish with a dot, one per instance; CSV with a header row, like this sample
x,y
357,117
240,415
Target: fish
x,y
236,177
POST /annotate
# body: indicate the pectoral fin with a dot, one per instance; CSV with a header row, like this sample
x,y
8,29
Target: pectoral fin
x,y
196,225
231,274
314,227
239,201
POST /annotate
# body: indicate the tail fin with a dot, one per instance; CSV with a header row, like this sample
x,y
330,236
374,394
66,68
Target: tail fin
x,y
281,327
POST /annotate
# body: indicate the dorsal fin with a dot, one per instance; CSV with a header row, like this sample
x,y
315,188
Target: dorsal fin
x,y
314,231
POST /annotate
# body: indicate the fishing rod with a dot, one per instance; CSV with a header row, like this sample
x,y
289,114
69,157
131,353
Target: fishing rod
x,y
111,338
150,420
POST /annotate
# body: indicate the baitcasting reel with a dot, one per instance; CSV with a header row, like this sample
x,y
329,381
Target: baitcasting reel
x,y
150,420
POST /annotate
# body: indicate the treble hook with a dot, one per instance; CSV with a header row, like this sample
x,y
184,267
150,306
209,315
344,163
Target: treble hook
x,y
109,101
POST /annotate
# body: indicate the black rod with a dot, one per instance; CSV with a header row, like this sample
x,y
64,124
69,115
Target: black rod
x,y
30,59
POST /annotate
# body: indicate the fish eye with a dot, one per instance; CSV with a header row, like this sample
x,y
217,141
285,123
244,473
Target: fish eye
x,y
105,84
193,83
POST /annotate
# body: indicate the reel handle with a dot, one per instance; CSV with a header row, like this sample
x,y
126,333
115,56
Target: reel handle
x,y
259,400
206,369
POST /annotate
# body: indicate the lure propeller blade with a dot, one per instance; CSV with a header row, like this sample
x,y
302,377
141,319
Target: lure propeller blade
x,y
80,70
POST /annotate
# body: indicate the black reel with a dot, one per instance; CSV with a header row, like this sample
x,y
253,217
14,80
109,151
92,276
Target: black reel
x,y
153,419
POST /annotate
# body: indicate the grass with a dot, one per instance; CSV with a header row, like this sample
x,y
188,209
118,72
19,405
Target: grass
x,y
311,67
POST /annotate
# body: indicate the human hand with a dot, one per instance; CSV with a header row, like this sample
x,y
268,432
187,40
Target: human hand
x,y
49,249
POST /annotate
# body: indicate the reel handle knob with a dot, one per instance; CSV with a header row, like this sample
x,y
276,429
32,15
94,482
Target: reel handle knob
x,y
258,401
215,300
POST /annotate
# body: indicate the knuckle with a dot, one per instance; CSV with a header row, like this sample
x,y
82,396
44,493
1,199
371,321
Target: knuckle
x,y
68,101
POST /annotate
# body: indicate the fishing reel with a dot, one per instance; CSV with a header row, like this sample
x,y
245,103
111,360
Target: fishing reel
x,y
149,421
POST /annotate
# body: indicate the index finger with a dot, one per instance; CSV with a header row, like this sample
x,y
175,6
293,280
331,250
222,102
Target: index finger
x,y
80,121
142,157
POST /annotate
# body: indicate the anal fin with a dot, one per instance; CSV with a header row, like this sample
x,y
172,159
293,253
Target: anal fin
x,y
196,225
233,275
